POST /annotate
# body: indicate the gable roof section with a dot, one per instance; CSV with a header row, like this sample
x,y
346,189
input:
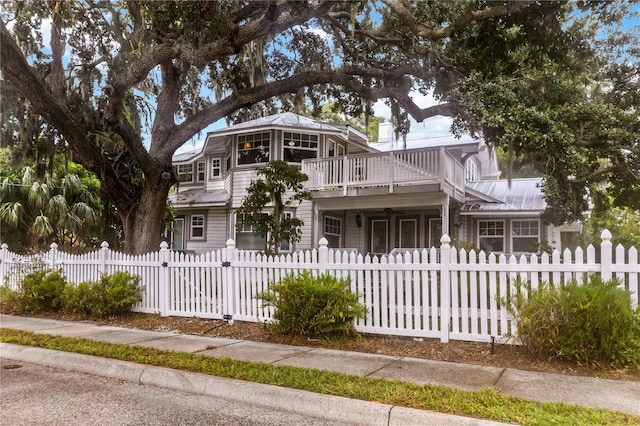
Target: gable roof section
x,y
502,195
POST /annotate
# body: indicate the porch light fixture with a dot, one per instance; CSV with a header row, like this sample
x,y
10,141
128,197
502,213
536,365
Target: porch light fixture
x,y
358,220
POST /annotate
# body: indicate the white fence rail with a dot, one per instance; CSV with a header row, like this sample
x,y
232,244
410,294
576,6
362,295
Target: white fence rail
x,y
445,293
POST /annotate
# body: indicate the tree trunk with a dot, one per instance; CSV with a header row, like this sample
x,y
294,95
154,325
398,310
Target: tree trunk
x,y
143,224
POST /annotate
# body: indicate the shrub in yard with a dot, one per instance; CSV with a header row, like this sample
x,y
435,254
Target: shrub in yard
x,y
38,292
591,323
112,295
305,305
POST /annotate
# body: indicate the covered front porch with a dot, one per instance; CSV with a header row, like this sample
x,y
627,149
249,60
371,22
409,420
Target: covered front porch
x,y
382,225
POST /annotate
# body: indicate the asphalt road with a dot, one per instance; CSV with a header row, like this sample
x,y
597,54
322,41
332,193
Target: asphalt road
x,y
36,395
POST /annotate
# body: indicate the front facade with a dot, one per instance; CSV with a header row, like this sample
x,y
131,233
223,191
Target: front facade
x,y
378,198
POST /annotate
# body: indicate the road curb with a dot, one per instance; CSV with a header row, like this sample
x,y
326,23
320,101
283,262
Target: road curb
x,y
320,406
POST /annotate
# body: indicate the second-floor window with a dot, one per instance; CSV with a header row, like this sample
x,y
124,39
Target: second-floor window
x,y
185,172
216,168
253,148
471,171
298,146
200,168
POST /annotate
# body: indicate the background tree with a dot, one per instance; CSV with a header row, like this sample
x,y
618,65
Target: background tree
x,y
279,187
122,85
59,207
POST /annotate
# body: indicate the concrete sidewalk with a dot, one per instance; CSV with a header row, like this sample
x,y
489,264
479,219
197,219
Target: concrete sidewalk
x,y
543,387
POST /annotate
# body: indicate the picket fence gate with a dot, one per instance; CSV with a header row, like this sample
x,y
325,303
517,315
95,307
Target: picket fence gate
x,y
440,293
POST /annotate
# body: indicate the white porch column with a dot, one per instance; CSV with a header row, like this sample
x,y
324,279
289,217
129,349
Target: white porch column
x,y
445,217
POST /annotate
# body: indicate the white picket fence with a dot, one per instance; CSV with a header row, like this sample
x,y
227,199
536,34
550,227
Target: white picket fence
x,y
439,293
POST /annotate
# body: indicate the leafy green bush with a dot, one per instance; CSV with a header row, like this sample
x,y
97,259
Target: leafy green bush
x,y
591,323
38,292
112,295
311,306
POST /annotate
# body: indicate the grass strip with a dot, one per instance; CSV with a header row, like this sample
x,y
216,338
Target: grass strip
x,y
487,404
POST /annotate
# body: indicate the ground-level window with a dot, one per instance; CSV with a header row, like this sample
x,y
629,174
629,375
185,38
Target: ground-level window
x,y
525,235
197,226
185,172
491,235
299,146
333,231
247,239
177,234
435,231
253,148
379,236
408,233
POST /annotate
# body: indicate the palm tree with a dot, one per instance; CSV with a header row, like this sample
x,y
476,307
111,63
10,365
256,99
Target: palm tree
x,y
53,208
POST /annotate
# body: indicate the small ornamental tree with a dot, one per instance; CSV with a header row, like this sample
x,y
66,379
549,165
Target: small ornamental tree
x,y
279,186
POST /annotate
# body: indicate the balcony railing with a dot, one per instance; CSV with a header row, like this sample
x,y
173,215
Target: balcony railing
x,y
407,167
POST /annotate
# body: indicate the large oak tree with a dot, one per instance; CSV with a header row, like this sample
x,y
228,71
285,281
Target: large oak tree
x,y
124,84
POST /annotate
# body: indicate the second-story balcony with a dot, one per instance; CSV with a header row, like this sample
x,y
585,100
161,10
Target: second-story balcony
x,y
389,170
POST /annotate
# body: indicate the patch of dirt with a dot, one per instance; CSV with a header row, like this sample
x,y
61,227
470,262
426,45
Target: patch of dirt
x,y
506,356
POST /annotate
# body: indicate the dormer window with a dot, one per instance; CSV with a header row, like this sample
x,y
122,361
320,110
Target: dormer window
x,y
299,146
185,173
254,148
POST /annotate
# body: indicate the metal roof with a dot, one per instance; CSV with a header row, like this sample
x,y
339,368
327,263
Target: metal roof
x,y
285,119
188,156
466,142
509,195
198,197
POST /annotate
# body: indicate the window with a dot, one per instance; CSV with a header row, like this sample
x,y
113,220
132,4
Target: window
x,y
435,232
247,239
298,146
379,236
177,234
197,226
334,149
491,235
216,167
471,171
333,231
408,233
185,172
286,245
525,235
253,148
200,166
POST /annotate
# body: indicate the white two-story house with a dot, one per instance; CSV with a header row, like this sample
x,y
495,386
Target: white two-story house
x,y
374,197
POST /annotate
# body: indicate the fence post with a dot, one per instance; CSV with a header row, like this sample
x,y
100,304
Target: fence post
x,y
104,252
4,251
164,278
323,255
228,310
53,255
606,255
445,288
